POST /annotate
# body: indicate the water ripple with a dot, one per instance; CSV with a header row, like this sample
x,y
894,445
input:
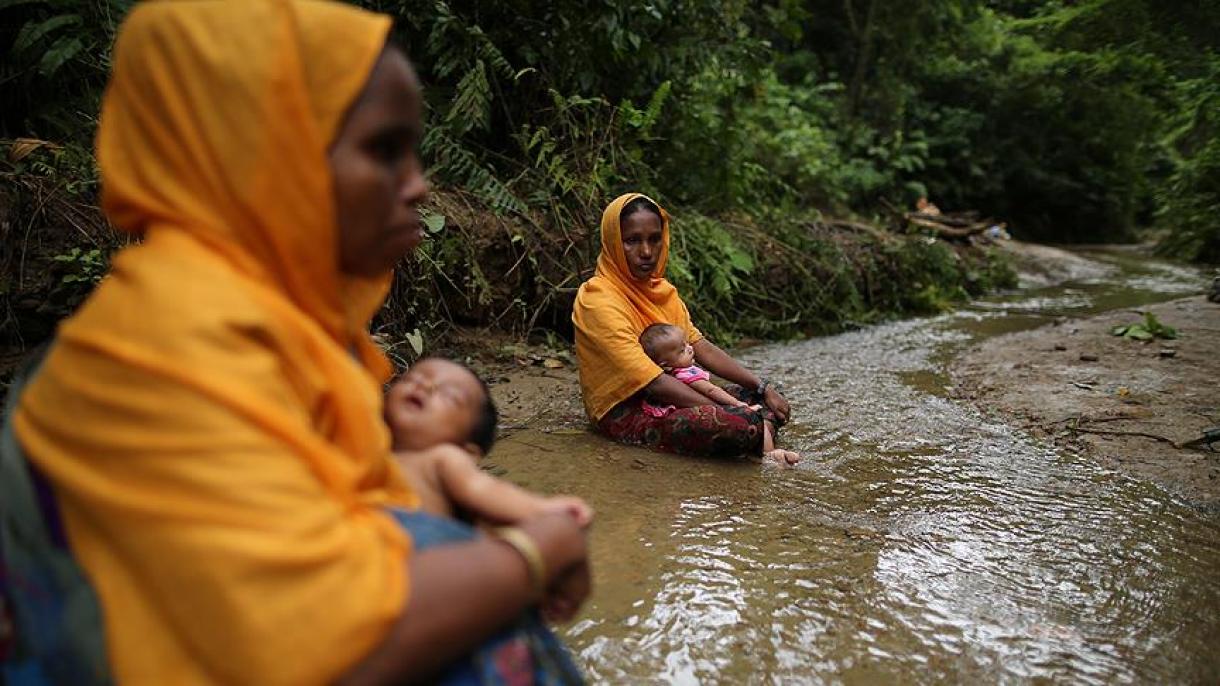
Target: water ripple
x,y
919,542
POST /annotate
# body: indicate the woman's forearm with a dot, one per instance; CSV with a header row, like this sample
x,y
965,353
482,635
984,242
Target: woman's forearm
x,y
460,595
667,390
718,362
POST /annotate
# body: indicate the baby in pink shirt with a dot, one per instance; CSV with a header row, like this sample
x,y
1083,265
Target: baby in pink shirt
x,y
666,345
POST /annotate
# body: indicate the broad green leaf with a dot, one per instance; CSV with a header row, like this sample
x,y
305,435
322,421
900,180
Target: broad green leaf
x,y
5,4
63,50
433,223
741,260
33,32
416,339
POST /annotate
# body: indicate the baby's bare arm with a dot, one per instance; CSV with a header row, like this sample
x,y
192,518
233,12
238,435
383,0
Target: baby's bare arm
x,y
716,393
482,495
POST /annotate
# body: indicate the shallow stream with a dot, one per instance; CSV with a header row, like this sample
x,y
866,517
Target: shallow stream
x,y
918,542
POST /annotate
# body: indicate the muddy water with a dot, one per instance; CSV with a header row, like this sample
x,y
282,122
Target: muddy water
x,y
918,542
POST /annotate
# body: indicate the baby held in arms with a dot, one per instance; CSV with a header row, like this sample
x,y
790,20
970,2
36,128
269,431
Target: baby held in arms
x,y
438,403
666,345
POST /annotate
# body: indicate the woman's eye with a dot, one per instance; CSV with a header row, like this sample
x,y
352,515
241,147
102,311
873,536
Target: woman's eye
x,y
388,149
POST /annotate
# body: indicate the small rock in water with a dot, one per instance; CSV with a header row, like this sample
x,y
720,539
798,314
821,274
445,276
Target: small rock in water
x,y
1088,357
1060,346
1168,352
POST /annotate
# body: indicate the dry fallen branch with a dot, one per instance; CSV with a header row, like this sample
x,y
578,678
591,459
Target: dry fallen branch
x,y
1139,434
943,229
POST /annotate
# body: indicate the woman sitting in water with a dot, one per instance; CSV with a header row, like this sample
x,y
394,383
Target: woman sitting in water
x,y
666,345
204,438
626,295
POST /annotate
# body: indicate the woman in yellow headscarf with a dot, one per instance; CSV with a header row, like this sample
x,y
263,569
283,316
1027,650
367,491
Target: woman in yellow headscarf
x,y
628,293
209,422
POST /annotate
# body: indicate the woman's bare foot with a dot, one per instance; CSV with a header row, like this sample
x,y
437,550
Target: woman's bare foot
x,y
784,458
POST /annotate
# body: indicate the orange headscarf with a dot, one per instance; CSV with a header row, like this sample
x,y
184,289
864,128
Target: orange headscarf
x,y
210,418
611,311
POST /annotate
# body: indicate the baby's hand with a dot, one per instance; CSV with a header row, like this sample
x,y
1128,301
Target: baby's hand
x,y
571,505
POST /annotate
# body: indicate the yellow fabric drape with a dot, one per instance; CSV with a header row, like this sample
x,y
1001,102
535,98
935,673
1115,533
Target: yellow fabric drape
x,y
611,311
210,418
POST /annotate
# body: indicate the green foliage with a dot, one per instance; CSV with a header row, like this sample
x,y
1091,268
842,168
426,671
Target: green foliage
x,y
751,121
707,260
1151,328
85,267
1190,198
56,58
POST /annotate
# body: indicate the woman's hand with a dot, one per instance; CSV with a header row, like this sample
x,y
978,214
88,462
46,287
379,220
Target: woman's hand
x,y
777,403
564,549
464,592
719,363
564,597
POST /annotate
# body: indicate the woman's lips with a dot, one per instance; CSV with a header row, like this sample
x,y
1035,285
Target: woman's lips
x,y
410,233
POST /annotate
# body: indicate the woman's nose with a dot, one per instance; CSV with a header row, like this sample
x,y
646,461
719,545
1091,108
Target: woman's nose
x,y
413,189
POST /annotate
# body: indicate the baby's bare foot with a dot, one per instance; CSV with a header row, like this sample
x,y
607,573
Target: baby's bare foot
x,y
784,458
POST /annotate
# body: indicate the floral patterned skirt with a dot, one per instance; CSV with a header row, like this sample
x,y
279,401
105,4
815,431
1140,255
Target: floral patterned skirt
x,y
708,430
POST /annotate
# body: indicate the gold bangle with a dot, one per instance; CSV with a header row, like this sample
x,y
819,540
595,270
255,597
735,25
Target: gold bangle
x,y
525,546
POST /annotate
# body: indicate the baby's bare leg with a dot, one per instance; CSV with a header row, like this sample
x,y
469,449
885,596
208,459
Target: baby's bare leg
x,y
778,455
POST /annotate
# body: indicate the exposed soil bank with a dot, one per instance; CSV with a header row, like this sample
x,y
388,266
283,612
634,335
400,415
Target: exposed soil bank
x,y
1120,401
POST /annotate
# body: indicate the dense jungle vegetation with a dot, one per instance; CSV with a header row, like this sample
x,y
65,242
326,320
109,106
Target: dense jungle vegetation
x,y
756,123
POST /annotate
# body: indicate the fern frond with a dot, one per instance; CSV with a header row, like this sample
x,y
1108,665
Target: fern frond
x,y
460,166
471,106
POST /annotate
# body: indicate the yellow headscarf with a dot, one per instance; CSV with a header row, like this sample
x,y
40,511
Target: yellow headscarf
x,y
210,418
611,311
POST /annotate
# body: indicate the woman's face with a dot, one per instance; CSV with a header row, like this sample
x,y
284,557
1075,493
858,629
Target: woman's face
x,y
642,234
379,181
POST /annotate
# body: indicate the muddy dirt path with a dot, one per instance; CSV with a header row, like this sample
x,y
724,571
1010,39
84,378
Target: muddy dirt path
x,y
923,540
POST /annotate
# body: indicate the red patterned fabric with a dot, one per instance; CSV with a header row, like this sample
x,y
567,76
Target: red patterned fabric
x,y
709,430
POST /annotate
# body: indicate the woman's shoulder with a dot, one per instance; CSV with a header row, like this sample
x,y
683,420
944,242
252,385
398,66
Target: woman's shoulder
x,y
599,293
172,302
594,285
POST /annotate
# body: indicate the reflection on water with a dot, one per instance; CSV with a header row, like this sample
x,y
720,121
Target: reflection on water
x,y
919,542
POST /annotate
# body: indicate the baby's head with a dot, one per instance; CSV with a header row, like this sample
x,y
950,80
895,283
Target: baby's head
x,y
666,345
437,401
